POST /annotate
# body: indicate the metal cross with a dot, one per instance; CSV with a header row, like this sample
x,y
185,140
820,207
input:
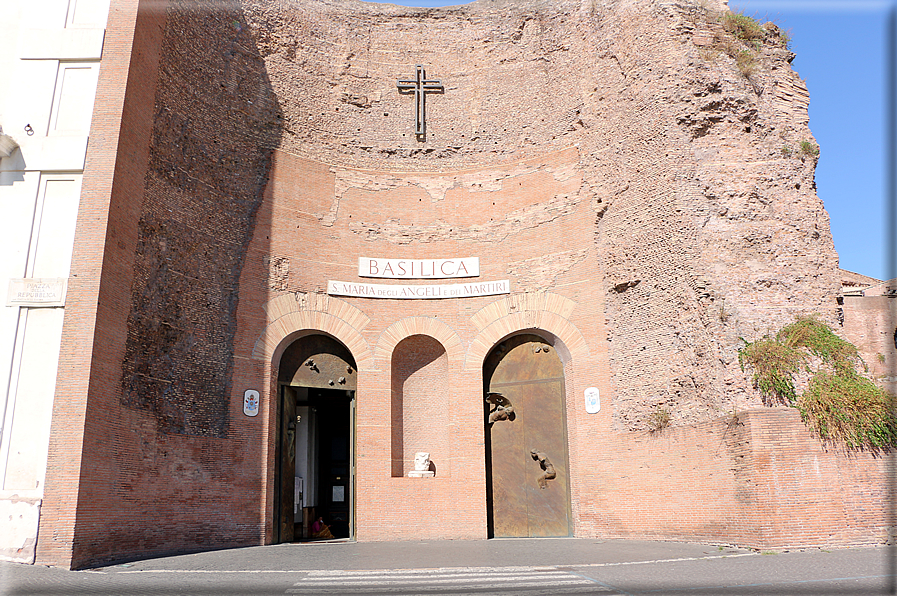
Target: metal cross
x,y
419,85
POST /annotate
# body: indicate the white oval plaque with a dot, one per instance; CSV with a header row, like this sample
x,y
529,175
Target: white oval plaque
x,y
251,402
593,401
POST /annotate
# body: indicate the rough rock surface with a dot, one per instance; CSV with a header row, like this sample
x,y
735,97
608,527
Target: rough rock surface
x,y
707,232
706,228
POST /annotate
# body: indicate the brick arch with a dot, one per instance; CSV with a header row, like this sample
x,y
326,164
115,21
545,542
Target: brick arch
x,y
404,328
542,313
291,315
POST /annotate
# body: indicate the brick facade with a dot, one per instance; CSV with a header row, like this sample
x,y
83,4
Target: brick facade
x,y
633,192
870,323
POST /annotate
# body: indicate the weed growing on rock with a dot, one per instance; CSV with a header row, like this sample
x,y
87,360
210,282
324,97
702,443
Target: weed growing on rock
x,y
746,63
724,315
744,41
850,408
809,149
659,419
784,39
821,341
786,151
774,364
709,54
839,403
776,35
743,27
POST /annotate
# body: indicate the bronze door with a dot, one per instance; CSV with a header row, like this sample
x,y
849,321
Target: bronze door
x,y
527,436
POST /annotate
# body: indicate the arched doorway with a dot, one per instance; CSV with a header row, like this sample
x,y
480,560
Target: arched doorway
x,y
315,459
526,440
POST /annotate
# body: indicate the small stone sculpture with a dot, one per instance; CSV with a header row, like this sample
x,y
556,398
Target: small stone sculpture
x,y
421,466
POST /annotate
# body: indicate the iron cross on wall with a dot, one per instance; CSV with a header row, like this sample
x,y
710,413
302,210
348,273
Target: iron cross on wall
x,y
420,85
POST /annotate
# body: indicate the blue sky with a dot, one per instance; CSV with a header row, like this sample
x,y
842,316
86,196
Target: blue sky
x,y
841,48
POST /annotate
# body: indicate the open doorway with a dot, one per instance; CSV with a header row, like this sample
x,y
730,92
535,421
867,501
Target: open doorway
x,y
315,460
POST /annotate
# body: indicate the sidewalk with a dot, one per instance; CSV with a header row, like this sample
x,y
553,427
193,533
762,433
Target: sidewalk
x,y
437,553
476,567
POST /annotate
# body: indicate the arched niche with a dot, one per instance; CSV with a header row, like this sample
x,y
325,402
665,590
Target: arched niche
x,y
419,416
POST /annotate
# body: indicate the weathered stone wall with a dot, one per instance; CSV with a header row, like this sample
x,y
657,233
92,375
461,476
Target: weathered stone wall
x,y
143,457
870,323
601,155
81,463
759,479
704,230
214,127
314,222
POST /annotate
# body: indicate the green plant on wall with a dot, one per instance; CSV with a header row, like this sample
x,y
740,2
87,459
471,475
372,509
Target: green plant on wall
x,y
817,337
659,419
850,408
809,149
748,39
746,63
839,403
743,27
784,39
742,38
774,364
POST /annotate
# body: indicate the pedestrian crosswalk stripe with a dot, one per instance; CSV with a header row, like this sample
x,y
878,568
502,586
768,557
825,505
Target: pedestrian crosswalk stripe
x,y
428,570
456,580
426,580
439,577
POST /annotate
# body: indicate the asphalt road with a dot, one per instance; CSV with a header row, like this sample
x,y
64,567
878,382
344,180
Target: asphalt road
x,y
493,567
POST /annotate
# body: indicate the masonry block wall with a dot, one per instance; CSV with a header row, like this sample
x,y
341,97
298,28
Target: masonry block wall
x,y
82,461
870,323
679,163
148,416
757,479
626,179
419,378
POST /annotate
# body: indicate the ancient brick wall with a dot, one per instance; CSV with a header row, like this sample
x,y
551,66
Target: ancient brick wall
x,y
419,371
215,123
81,460
758,479
159,471
604,152
870,323
680,159
627,180
416,379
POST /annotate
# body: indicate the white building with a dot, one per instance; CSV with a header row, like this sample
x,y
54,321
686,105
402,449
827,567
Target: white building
x,y
49,64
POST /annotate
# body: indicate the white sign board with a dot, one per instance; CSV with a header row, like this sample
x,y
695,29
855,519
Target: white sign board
x,y
251,402
593,401
469,290
297,495
418,268
47,291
